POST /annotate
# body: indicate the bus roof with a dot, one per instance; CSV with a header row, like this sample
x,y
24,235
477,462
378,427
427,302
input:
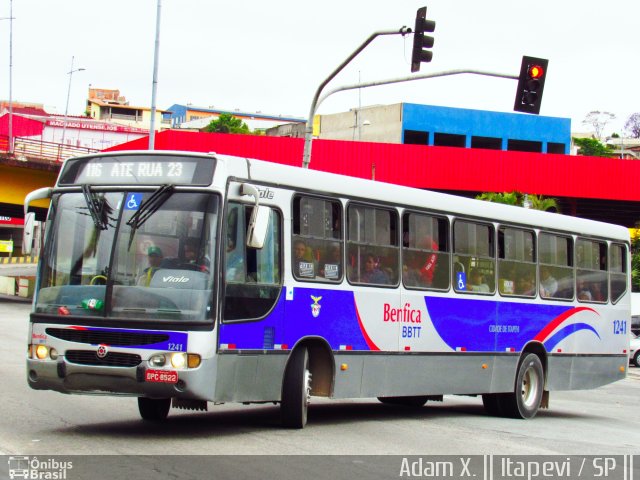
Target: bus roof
x,y
379,192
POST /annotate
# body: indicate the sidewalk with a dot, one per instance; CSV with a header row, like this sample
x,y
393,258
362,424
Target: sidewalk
x,y
14,298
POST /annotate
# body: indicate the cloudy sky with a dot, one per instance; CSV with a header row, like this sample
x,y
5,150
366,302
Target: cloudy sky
x,y
270,56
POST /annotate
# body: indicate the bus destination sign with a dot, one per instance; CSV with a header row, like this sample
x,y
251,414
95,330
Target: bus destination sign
x,y
138,170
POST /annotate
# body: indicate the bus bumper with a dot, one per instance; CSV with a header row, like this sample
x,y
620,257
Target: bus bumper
x,y
65,377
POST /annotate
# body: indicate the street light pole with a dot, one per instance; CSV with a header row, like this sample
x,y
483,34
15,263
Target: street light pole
x,y
10,132
66,108
154,86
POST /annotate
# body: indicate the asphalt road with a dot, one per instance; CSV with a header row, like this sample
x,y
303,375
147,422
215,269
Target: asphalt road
x,y
595,422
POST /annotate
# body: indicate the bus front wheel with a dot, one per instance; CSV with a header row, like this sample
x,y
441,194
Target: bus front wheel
x,y
154,409
525,401
296,390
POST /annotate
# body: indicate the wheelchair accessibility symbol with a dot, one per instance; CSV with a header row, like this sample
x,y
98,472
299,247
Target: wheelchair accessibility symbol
x,y
133,201
461,280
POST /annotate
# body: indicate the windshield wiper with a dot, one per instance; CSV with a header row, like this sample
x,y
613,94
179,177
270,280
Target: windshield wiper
x,y
148,208
96,207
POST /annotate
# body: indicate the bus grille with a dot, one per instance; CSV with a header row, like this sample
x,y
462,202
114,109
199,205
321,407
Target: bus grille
x,y
113,359
99,337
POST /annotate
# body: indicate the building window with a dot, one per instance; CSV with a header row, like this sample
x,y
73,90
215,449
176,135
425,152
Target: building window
x,y
524,146
414,137
449,140
488,143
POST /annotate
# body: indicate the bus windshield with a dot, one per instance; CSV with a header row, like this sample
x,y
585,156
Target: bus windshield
x,y
130,255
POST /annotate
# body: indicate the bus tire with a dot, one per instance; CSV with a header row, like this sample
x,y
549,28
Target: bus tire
x,y
492,404
154,409
415,402
525,400
636,359
296,390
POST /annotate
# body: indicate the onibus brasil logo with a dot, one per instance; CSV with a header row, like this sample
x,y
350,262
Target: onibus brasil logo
x,y
38,469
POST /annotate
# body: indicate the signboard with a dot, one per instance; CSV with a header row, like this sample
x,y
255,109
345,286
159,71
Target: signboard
x,y
144,169
11,221
6,246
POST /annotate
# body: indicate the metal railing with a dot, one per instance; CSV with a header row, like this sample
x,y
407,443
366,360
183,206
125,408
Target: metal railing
x,y
31,150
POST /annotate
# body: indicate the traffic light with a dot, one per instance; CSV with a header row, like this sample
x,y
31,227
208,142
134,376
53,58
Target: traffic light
x,y
533,72
422,41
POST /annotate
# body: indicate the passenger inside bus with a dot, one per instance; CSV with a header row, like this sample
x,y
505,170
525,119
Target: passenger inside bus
x,y
331,262
154,257
477,282
372,273
303,263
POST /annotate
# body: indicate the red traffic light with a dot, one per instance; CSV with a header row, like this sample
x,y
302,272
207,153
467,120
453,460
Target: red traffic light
x,y
536,71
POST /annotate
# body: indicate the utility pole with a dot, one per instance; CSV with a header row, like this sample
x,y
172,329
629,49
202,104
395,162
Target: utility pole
x,y
154,87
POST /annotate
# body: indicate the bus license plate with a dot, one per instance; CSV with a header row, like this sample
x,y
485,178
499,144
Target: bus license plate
x,y
161,376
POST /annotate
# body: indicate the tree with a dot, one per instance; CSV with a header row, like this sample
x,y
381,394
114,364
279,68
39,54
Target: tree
x,y
632,125
227,123
508,198
592,147
635,262
536,202
598,120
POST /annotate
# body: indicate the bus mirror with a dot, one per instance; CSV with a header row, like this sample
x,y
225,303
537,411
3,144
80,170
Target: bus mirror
x,y
39,194
27,234
258,225
30,217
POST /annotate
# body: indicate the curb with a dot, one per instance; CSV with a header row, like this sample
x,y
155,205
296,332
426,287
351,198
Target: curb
x,y
18,260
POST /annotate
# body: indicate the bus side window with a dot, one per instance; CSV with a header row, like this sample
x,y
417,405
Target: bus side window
x,y
425,251
556,266
516,262
474,258
252,276
372,245
317,243
591,271
617,271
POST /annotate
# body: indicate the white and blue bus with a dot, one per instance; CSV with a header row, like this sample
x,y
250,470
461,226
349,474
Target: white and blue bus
x,y
183,279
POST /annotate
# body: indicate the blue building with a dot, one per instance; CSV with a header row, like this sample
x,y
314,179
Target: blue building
x,y
410,123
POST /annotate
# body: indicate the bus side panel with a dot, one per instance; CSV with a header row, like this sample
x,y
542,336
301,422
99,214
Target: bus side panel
x,y
250,377
382,375
582,372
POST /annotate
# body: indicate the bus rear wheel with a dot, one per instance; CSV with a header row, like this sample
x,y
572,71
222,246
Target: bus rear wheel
x,y
296,390
416,402
525,401
154,409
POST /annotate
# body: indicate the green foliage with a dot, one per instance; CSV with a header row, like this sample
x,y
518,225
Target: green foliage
x,y
635,262
592,147
538,202
227,123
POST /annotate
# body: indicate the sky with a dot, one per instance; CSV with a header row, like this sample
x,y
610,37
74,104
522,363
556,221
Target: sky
x,y
270,57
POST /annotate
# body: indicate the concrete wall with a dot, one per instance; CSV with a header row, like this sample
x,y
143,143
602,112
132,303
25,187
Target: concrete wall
x,y
378,123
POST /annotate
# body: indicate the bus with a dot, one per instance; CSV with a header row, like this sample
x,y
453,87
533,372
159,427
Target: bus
x,y
183,279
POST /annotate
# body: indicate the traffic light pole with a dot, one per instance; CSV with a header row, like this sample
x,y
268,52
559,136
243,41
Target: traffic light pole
x,y
308,133
317,100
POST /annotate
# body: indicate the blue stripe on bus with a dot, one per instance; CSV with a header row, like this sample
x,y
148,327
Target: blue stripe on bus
x,y
335,320
565,332
461,322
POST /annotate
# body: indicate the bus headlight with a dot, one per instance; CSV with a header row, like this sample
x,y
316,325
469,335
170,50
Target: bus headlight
x,y
157,360
178,360
42,352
